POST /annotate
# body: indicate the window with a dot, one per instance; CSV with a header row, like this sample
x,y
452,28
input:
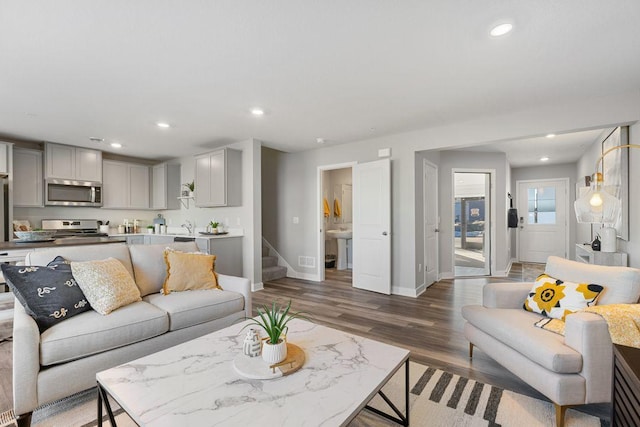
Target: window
x,y
541,205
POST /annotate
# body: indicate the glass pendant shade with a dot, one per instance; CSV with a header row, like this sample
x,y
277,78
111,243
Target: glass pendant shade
x,y
597,206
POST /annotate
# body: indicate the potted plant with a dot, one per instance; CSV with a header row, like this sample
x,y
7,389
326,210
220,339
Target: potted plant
x,y
274,322
190,188
149,229
214,226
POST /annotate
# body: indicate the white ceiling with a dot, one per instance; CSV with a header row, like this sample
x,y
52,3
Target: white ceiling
x,y
565,148
335,69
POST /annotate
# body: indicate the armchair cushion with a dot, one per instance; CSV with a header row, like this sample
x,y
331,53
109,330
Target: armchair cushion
x,y
621,284
554,298
514,328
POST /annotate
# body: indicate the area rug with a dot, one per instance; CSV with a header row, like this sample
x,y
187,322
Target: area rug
x,y
437,399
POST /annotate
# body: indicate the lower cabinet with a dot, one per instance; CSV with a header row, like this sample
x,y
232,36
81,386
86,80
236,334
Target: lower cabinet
x,y
228,252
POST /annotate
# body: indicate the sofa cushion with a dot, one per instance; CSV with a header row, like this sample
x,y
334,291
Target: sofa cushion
x,y
149,266
91,333
621,284
48,294
119,251
189,271
106,284
190,308
515,328
556,298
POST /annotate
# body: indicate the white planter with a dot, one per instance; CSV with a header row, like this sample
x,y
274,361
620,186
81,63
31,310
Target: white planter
x,y
274,353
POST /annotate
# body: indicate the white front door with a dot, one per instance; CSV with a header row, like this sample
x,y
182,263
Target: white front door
x,y
542,219
430,188
372,226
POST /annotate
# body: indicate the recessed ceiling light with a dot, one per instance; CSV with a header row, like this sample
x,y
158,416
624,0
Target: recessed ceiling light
x,y
501,30
163,125
257,111
544,159
551,135
320,140
116,145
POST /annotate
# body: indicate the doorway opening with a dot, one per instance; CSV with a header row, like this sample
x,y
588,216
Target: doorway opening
x,y
336,247
472,236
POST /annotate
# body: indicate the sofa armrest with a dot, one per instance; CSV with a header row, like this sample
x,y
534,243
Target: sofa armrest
x,y
588,334
505,295
26,362
239,285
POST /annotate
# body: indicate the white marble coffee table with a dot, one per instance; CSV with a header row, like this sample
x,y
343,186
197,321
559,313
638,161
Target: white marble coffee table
x,y
195,384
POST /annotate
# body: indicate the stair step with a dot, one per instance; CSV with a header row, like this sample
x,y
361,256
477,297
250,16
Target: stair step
x,y
265,251
273,273
269,261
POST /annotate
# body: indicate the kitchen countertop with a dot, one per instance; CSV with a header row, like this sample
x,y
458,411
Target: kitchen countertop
x,y
197,235
63,241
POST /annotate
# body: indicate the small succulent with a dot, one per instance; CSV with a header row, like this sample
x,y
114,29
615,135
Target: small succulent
x,y
274,320
190,185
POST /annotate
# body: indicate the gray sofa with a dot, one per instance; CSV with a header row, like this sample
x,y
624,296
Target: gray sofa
x,y
66,357
573,369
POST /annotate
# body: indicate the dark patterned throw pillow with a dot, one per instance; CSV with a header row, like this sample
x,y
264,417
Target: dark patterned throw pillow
x,y
49,294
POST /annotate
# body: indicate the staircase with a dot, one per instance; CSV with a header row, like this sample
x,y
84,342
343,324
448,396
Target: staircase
x,y
270,268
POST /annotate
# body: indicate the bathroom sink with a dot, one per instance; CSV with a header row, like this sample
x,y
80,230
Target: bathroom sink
x,y
339,234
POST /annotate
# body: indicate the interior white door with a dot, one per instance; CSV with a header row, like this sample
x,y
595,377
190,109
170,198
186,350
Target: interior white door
x,y
372,226
430,188
542,216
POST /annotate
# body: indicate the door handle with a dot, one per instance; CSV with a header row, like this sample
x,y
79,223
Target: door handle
x,y
384,233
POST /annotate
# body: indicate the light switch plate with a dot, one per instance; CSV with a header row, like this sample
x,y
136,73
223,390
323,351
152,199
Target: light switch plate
x,y
296,220
384,152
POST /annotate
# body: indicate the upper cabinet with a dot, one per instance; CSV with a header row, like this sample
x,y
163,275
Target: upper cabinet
x,y
27,178
218,178
5,154
165,186
75,163
125,186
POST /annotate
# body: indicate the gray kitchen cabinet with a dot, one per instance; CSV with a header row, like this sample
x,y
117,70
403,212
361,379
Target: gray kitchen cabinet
x,y
138,239
75,163
27,178
5,155
218,178
228,252
165,186
125,186
157,239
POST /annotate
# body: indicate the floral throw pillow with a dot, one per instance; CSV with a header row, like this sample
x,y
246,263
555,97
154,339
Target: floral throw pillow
x,y
49,294
555,298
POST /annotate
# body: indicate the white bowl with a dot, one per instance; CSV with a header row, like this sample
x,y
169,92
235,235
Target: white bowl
x,y
34,235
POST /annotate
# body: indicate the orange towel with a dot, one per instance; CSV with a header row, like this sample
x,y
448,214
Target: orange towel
x,y
327,211
337,211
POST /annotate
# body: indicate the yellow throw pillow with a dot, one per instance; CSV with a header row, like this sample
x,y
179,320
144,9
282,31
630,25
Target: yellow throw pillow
x,y
555,298
189,271
106,284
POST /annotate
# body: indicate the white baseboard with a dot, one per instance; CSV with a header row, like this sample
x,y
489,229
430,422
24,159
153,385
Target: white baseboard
x,y
406,292
447,275
304,276
257,287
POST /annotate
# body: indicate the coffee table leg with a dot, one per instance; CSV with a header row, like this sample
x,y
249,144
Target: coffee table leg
x,y
402,419
102,395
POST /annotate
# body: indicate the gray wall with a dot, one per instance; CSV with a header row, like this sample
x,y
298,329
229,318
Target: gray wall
x,y
567,170
297,173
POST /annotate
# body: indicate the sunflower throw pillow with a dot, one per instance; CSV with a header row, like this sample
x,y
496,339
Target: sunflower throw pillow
x,y
555,298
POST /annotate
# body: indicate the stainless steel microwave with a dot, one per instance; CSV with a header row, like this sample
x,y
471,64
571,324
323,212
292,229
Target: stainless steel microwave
x,y
64,192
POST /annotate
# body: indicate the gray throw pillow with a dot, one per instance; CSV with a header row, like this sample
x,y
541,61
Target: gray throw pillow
x,y
49,294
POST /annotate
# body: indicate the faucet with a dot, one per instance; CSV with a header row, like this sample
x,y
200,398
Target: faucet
x,y
189,226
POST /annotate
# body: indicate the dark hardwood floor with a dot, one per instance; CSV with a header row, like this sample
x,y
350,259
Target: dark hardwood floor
x,y
430,326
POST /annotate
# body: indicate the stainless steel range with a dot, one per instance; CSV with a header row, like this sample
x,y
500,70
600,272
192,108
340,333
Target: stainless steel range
x,y
73,227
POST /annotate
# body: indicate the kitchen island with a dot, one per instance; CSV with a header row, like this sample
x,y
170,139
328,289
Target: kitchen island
x,y
63,241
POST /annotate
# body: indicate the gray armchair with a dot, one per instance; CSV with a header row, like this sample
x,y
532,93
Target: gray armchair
x,y
573,369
